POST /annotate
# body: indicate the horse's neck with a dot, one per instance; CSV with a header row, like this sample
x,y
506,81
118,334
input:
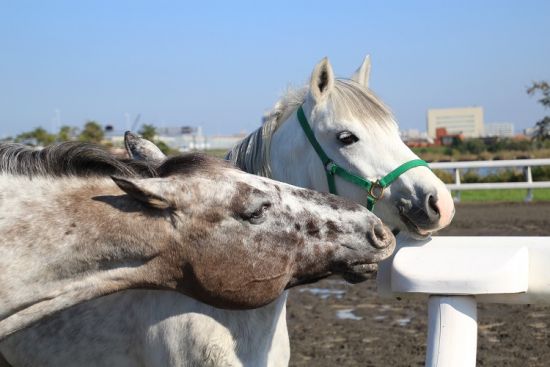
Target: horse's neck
x,y
256,334
247,154
65,244
272,151
252,153
292,160
70,226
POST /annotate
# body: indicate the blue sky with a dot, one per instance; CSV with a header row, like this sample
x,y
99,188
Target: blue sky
x,y
222,64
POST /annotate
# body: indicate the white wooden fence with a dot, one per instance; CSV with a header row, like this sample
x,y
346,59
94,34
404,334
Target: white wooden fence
x,y
526,164
453,274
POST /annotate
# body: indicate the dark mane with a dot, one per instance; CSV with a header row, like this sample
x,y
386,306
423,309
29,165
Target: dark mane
x,y
189,163
82,159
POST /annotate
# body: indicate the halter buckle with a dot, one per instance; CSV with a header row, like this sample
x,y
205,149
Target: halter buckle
x,y
330,166
376,190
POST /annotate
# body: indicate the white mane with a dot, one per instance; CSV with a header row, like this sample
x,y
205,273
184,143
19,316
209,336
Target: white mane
x,y
348,99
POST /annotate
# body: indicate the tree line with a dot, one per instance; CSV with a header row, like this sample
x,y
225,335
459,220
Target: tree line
x,y
542,127
92,132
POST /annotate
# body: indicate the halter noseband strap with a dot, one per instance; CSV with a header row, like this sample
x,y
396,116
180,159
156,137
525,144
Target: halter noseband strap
x,y
375,190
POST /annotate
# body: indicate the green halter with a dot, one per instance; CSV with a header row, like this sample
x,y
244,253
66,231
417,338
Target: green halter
x,y
375,190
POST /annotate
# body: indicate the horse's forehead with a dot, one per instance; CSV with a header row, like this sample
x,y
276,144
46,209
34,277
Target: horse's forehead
x,y
250,185
243,179
359,119
228,186
350,104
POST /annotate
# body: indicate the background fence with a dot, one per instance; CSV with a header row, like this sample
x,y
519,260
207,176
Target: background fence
x,y
525,164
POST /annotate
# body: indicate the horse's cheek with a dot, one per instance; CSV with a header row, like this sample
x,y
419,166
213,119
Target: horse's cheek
x,y
240,278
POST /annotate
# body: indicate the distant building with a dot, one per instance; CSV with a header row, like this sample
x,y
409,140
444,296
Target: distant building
x,y
415,138
467,121
225,141
175,131
500,129
113,136
182,138
442,137
530,132
187,138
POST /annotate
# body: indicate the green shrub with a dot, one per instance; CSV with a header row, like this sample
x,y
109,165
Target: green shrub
x,y
444,176
470,176
541,173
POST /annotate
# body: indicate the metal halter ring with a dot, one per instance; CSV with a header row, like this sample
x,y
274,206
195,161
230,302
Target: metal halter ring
x,y
376,190
330,166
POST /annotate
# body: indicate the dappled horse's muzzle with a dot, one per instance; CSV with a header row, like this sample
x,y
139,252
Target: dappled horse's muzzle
x,y
362,261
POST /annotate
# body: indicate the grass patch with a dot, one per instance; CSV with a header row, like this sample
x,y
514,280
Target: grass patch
x,y
516,195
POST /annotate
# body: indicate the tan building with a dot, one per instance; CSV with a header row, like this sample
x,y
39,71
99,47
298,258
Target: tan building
x,y
467,121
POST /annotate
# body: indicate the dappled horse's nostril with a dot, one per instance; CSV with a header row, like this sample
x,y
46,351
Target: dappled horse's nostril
x,y
380,236
431,208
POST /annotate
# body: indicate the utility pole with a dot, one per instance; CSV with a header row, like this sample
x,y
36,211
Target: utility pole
x,y
56,121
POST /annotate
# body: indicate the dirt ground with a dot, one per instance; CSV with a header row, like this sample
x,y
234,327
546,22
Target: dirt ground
x,y
374,332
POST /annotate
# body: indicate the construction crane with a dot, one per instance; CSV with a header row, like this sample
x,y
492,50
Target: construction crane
x,y
136,121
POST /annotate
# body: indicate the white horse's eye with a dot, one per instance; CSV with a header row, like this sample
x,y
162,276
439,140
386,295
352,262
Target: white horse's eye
x,y
347,138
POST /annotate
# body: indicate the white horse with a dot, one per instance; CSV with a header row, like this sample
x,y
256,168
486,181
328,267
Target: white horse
x,y
149,328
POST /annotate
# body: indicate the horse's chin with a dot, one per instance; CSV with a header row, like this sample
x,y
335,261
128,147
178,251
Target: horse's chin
x,y
418,236
415,235
360,273
411,230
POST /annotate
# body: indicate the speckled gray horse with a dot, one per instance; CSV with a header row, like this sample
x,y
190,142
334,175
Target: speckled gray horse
x,y
72,231
168,329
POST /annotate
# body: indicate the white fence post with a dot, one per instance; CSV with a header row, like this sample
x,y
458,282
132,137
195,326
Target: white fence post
x,y
457,183
452,331
529,177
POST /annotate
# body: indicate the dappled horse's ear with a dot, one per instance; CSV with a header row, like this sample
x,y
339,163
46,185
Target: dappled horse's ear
x,y
322,81
142,149
362,74
150,191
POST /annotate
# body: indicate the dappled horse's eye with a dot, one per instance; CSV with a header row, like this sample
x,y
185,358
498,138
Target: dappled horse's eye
x,y
347,138
257,216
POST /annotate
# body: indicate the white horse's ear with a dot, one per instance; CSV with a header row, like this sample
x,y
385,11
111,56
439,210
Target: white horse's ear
x,y
362,74
142,149
322,81
150,191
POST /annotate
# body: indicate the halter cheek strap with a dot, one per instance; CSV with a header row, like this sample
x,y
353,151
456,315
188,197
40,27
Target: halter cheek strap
x,y
375,190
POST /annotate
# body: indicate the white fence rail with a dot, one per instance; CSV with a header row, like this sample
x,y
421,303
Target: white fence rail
x,y
526,164
453,274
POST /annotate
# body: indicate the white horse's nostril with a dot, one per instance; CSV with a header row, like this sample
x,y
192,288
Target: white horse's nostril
x,y
446,207
432,205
